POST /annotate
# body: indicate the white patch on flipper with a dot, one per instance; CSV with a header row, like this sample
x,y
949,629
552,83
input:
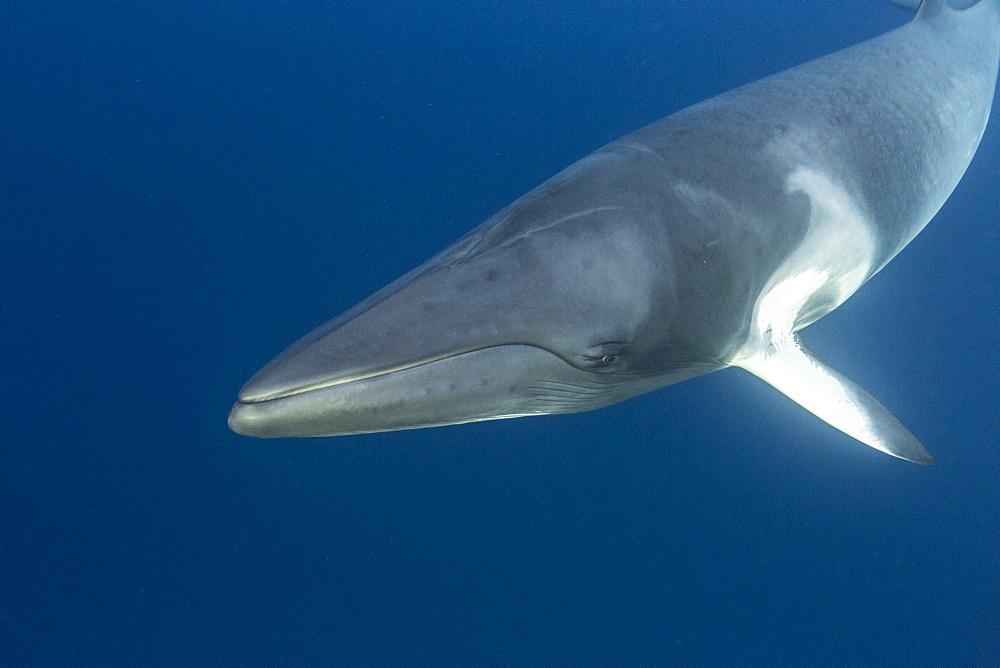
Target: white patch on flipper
x,y
783,364
790,368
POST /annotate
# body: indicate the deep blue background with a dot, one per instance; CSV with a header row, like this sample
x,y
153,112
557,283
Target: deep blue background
x,y
185,188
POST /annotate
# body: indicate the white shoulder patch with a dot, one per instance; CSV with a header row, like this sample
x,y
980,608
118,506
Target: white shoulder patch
x,y
833,260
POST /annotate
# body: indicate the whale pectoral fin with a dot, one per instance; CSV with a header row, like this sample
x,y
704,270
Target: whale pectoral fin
x,y
795,371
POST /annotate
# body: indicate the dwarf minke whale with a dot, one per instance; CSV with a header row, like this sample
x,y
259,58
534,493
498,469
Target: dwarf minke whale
x,y
705,240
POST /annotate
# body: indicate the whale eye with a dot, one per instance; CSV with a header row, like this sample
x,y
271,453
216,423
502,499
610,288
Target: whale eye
x,y
606,357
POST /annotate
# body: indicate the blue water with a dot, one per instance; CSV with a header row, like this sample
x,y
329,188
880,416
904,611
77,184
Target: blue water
x,y
185,188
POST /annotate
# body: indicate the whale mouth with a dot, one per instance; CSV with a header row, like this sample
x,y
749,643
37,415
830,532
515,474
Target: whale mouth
x,y
251,393
483,384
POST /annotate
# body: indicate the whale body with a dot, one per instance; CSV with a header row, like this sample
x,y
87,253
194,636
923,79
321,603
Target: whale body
x,y
705,240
